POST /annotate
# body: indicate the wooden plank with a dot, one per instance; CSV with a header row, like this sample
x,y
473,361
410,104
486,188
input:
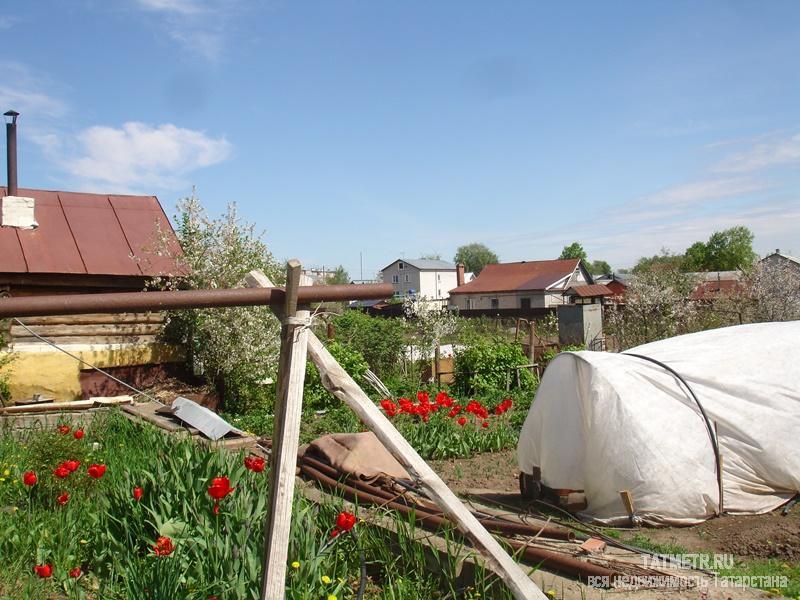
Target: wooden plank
x,y
340,384
285,439
53,331
96,319
98,340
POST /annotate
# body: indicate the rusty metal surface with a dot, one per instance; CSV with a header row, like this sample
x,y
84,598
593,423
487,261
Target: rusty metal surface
x,y
589,291
91,234
532,275
76,304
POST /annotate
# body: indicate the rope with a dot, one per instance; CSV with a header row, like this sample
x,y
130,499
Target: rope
x,y
711,435
90,365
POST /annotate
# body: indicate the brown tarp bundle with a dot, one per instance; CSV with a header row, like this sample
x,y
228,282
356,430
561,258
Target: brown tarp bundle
x,y
358,454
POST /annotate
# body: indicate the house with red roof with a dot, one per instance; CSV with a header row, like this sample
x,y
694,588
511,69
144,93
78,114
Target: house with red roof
x,y
521,286
54,242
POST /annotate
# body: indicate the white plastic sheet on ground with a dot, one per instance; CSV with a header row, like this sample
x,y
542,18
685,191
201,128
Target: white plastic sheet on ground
x,y
604,422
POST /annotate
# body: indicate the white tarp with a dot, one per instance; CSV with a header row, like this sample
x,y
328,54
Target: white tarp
x,y
604,422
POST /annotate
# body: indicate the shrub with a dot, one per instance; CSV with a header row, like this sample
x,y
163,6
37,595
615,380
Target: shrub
x,y
486,366
315,396
236,349
380,341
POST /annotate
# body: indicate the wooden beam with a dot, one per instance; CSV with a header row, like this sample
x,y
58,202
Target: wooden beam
x,y
340,384
285,438
48,331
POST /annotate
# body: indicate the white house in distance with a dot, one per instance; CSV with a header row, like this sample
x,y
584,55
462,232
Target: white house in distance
x,y
420,277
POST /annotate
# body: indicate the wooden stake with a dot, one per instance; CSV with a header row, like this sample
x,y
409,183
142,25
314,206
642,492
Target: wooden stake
x,y
285,439
340,384
627,500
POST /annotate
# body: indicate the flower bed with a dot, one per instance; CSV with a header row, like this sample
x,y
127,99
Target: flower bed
x,y
445,428
121,510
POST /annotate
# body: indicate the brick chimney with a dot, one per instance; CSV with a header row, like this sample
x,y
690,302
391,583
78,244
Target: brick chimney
x,y
459,274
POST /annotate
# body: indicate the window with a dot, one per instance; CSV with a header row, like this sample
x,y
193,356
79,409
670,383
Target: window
x,y
401,266
395,278
408,278
438,277
495,303
470,303
525,303
398,294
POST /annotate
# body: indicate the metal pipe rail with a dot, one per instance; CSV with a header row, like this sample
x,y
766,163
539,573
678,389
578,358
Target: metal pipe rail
x,y
78,304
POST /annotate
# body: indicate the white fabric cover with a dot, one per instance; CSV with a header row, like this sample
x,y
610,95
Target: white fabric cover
x,y
604,422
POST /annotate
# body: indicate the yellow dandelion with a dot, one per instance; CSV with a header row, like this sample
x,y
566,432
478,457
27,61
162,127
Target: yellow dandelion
x,y
550,593
332,597
6,473
325,579
295,565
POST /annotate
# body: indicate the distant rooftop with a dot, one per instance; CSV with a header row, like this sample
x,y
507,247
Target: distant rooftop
x,y
425,264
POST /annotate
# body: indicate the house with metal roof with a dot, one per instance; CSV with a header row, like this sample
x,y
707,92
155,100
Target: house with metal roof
x,y
54,242
521,287
421,278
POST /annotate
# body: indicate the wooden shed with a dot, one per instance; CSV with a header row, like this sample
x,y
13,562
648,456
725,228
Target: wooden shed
x,y
85,243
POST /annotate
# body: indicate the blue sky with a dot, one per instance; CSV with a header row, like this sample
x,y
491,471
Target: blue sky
x,y
388,129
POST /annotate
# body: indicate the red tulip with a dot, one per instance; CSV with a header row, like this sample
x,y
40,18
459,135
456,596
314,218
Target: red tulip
x,y
29,478
485,424
163,546
78,434
335,532
345,521
462,421
254,463
71,465
43,571
61,472
96,471
63,429
138,493
220,487
63,499
76,572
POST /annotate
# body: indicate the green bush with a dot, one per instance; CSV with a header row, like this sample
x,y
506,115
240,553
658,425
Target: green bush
x,y
485,366
379,340
315,396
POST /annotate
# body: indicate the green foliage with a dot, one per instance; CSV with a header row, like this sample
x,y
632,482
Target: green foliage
x,y
695,258
475,257
5,360
664,260
574,250
340,276
110,535
315,396
599,267
236,349
379,340
485,367
730,249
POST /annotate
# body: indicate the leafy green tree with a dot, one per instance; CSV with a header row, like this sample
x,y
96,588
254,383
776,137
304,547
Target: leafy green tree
x,y
695,258
730,249
574,250
380,340
665,259
599,267
475,257
340,276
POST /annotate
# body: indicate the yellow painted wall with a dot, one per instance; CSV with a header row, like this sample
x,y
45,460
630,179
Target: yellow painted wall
x,y
39,369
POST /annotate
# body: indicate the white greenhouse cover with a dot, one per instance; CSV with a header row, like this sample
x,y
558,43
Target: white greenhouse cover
x,y
604,422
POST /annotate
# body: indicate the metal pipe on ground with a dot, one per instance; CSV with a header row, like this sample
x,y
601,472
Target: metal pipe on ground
x,y
491,523
553,560
77,304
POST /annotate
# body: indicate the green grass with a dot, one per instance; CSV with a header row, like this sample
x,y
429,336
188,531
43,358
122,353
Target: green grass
x,y
110,535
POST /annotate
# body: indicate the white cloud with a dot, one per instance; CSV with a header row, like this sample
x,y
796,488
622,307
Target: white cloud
x,y
200,26
135,157
23,90
763,154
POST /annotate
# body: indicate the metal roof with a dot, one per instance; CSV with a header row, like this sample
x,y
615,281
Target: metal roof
x,y
90,234
589,291
535,275
425,264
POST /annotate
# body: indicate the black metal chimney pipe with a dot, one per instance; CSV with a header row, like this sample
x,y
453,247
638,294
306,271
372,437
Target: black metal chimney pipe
x,y
11,151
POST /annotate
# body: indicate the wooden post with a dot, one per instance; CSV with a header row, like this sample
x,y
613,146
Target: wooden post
x,y
532,344
436,355
340,384
285,439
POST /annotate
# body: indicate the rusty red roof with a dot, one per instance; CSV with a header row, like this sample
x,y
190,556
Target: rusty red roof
x,y
90,234
709,290
589,291
534,275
